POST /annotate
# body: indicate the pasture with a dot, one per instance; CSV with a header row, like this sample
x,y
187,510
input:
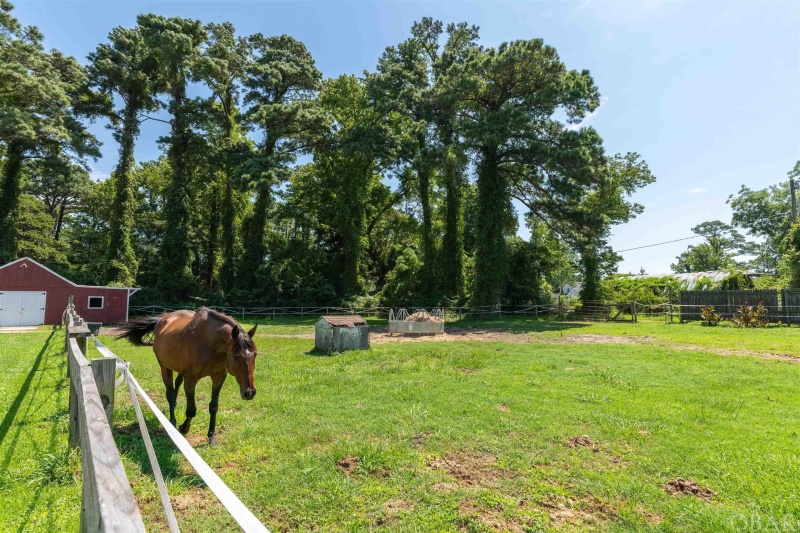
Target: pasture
x,y
508,425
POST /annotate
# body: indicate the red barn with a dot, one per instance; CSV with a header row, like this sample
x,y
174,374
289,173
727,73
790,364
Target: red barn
x,y
32,294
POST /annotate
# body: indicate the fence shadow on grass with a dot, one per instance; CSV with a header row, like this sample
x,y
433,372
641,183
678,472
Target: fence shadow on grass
x,y
129,441
13,409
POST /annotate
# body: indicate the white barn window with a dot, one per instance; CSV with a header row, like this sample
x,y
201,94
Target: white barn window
x,y
96,302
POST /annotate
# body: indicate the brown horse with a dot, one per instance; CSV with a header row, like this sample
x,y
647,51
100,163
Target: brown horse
x,y
195,345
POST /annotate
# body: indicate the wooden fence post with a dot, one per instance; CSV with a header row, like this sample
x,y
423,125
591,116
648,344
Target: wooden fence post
x,y
104,370
634,310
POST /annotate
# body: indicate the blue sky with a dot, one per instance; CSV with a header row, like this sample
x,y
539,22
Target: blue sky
x,y
707,92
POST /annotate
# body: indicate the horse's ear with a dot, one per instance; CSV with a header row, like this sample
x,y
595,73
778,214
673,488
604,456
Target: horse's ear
x,y
252,331
235,333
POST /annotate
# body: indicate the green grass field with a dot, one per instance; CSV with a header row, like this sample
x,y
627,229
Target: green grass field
x,y
446,436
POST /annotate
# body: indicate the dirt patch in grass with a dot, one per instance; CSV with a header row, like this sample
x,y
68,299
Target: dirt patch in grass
x,y
445,487
348,464
588,510
722,351
649,515
472,471
681,487
420,439
492,335
581,441
501,407
196,500
395,506
492,518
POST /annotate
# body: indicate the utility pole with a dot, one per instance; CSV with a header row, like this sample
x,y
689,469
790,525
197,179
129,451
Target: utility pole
x,y
794,200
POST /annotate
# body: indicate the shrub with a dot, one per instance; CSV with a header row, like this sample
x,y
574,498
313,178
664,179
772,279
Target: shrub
x,y
747,316
709,316
646,291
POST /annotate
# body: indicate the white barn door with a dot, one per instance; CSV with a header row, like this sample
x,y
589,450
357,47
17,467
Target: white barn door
x,y
22,308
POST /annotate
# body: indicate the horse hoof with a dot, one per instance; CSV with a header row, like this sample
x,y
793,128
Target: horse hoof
x,y
184,430
212,441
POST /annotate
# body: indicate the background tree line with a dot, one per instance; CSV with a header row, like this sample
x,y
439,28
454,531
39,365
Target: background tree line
x,y
773,246
279,186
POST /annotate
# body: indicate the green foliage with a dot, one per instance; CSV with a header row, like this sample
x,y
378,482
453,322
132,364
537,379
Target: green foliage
x,y
228,215
747,316
280,80
789,265
34,227
512,94
736,281
403,281
645,290
175,45
765,213
42,97
717,253
125,67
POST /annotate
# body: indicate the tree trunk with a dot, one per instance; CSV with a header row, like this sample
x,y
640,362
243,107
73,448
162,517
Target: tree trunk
x,y
428,273
452,259
228,237
60,220
121,264
213,238
356,192
491,255
590,290
175,278
9,200
255,247
228,268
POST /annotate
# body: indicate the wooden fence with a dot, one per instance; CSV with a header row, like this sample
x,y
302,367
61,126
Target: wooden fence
x,y
790,305
107,503
727,302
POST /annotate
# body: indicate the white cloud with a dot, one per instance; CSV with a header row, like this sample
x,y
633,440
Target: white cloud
x,y
588,118
696,191
97,175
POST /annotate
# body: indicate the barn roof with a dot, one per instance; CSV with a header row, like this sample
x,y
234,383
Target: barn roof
x,y
134,289
347,321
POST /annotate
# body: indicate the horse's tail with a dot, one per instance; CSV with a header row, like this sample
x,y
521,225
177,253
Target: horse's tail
x,y
135,330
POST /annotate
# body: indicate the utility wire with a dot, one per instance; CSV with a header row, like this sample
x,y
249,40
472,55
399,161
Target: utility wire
x,y
659,244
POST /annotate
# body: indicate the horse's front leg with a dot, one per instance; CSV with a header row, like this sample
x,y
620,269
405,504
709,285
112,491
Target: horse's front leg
x,y
216,386
172,394
191,408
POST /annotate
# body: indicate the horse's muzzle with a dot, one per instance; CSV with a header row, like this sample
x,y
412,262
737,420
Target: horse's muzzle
x,y
249,394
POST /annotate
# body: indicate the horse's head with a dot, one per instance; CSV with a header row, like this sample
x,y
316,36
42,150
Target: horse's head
x,y
242,361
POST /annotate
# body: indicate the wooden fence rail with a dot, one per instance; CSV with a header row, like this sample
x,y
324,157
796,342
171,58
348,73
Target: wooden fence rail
x,y
107,503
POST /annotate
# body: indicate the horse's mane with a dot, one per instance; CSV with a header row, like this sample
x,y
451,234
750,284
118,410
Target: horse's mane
x,y
243,341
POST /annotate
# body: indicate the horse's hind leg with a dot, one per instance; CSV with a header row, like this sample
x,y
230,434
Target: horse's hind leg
x,y
191,408
172,393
